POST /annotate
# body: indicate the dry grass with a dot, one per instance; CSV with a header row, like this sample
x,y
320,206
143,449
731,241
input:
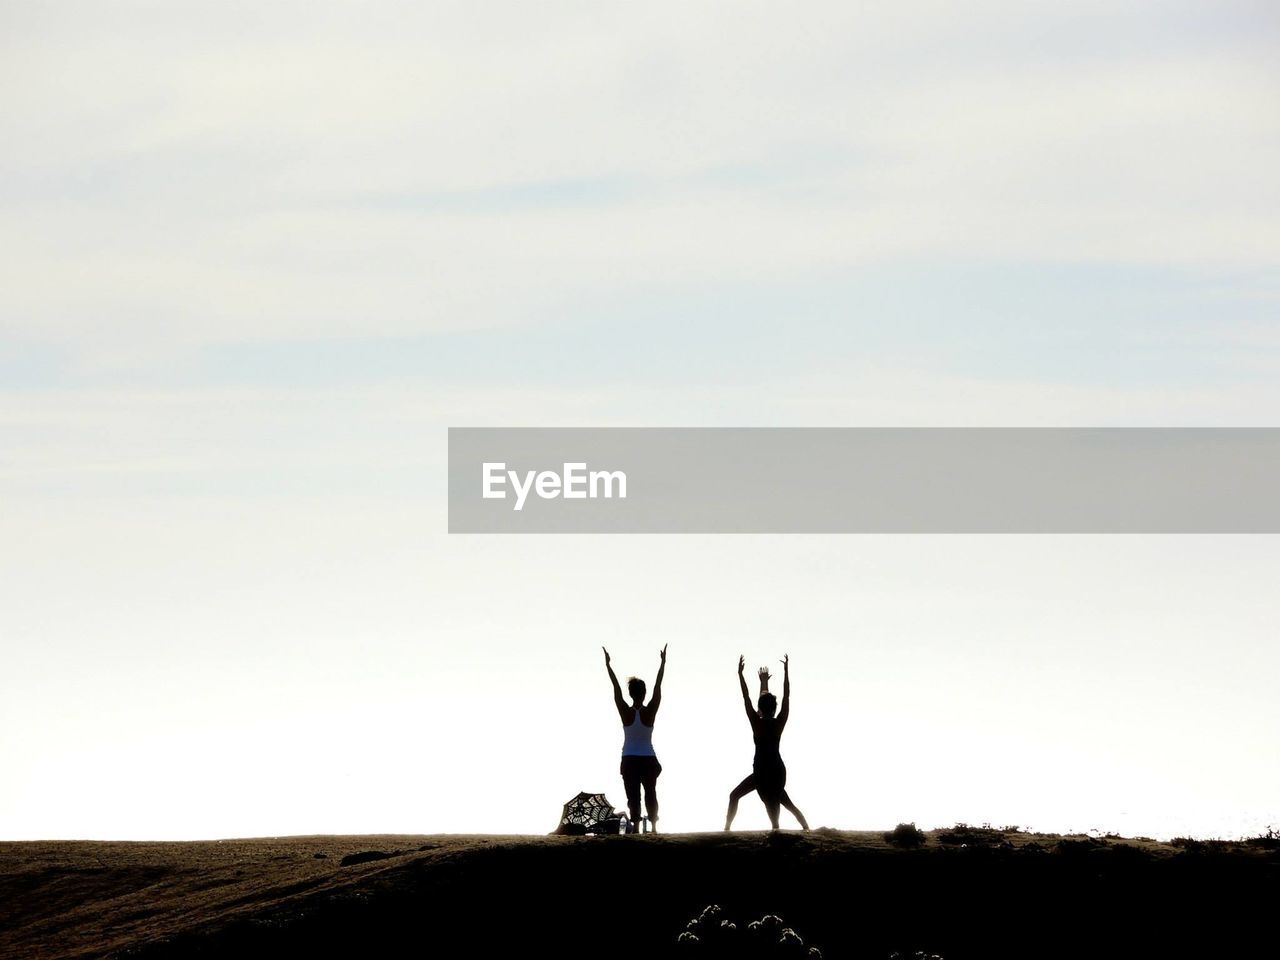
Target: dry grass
x,y
98,899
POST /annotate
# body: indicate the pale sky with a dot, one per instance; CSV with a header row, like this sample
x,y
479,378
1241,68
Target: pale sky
x,y
256,258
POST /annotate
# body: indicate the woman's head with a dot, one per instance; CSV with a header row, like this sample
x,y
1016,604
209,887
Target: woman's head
x,y
768,705
636,688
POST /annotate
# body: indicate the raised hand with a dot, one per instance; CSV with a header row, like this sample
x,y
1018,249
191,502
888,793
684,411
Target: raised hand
x,y
764,675
786,662
663,653
606,657
742,664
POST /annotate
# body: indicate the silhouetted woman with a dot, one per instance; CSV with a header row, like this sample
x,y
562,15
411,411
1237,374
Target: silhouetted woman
x,y
768,772
640,766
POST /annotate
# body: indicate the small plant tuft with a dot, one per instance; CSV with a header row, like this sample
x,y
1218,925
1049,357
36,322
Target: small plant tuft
x,y
711,936
907,836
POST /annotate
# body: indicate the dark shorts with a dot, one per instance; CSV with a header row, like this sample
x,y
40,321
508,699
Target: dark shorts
x,y
638,770
771,777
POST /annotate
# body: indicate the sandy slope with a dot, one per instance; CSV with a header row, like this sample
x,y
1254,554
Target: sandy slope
x,y
849,891
92,899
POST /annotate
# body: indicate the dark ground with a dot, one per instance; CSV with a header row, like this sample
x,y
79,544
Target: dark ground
x,y
996,896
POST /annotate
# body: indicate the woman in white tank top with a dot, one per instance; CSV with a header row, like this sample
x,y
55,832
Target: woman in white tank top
x,y
640,766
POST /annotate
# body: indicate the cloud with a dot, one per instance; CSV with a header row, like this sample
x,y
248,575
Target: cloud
x,y
208,172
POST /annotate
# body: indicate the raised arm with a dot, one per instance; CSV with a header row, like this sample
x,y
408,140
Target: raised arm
x,y
746,694
617,690
656,700
786,690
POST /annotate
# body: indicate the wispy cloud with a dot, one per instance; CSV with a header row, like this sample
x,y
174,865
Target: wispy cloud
x,y
201,173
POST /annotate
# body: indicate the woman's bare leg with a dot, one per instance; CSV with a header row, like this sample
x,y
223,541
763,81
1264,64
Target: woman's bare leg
x,y
650,784
740,791
795,811
771,807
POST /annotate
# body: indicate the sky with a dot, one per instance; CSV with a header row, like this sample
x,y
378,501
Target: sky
x,y
255,259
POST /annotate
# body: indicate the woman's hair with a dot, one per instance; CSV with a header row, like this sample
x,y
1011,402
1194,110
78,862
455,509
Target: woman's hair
x,y
768,704
636,687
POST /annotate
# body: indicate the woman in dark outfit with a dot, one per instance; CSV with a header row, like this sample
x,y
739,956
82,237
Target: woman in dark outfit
x,y
640,766
768,772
